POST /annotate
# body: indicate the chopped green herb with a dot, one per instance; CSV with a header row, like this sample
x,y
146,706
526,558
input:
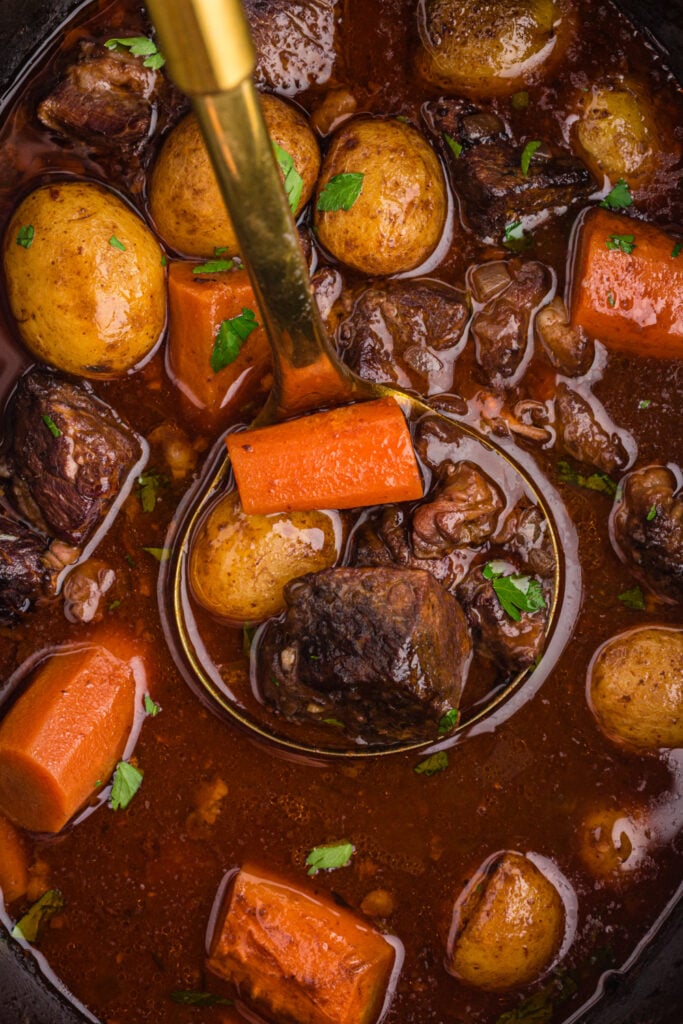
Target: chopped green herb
x,y
28,926
213,267
139,46
127,781
516,592
220,250
652,513
610,299
294,183
114,605
595,482
341,192
51,425
676,251
454,145
151,707
619,198
448,721
633,598
434,763
198,999
520,100
539,1008
164,261
528,155
623,243
25,235
402,118
515,237
274,680
645,403
333,721
131,561
248,632
149,485
231,336
329,857
116,244
161,554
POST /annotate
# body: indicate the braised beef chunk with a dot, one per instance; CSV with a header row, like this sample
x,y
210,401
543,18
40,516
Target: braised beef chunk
x,y
585,436
501,328
69,456
511,643
463,511
527,540
400,333
648,529
568,348
294,40
384,651
25,573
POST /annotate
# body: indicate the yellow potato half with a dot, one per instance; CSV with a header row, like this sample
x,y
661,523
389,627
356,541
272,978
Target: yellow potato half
x,y
84,279
616,133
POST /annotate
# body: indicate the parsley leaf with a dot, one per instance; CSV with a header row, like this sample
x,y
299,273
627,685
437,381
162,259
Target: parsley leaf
x,y
619,197
28,926
184,998
231,336
448,721
341,192
149,484
51,425
595,482
294,183
645,403
151,707
25,235
213,267
116,244
329,857
611,300
633,598
676,251
161,554
528,155
127,781
516,238
455,146
516,592
431,765
623,243
651,513
139,46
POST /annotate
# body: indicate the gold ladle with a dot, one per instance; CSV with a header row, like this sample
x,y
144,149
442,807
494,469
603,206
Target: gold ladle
x,y
210,55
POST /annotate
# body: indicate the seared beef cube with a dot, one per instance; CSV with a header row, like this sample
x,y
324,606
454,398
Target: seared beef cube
x,y
527,539
502,328
69,457
384,651
463,512
294,40
647,523
399,333
26,576
586,432
459,118
513,644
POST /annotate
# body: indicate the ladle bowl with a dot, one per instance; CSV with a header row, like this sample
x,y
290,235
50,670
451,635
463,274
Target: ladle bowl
x,y
211,57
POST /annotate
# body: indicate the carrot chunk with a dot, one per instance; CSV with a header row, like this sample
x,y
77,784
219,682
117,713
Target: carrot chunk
x,y
298,956
64,735
627,286
344,458
198,305
13,862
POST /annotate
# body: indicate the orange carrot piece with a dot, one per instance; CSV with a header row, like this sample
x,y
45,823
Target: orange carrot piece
x,y
345,458
198,304
297,955
64,736
13,862
632,302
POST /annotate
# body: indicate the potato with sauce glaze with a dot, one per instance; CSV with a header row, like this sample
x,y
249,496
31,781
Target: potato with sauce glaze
x,y
635,688
85,279
616,133
508,924
240,564
398,217
185,201
491,47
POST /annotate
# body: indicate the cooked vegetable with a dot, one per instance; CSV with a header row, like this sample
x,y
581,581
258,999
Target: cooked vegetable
x,y
125,784
14,876
82,304
298,956
616,132
631,261
381,197
329,857
29,926
240,564
356,455
635,688
64,733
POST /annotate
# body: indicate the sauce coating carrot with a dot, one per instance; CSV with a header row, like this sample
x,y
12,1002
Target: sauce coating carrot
x,y
298,955
632,301
64,735
198,305
344,458
13,862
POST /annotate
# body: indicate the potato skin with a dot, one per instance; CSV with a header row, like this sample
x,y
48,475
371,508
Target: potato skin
x,y
635,688
615,133
491,47
81,303
399,216
185,201
240,564
508,924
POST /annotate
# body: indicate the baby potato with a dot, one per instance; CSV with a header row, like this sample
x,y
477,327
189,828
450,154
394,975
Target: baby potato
x,y
635,688
185,201
491,47
84,279
508,924
615,133
398,218
240,564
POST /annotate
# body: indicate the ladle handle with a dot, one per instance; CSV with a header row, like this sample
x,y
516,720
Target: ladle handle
x,y
211,57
